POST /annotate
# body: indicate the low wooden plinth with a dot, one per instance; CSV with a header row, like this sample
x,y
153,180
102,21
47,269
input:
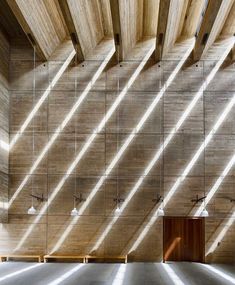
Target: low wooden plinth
x,y
64,257
113,259
6,257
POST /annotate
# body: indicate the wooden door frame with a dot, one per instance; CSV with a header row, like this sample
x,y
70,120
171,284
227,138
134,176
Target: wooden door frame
x,y
182,217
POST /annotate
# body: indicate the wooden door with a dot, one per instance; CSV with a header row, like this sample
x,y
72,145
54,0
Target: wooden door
x,y
183,239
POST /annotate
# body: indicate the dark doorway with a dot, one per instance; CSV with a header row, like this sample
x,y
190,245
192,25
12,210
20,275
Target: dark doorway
x,y
183,239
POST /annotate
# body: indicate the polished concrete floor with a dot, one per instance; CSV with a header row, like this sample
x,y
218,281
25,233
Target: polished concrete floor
x,y
22,273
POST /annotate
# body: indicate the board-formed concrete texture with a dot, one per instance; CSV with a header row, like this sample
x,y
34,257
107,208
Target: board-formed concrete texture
x,y
145,109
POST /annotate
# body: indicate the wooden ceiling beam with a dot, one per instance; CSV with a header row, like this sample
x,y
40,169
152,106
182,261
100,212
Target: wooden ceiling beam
x,y
150,17
118,34
27,29
169,24
84,19
192,17
229,28
128,24
212,24
42,24
71,28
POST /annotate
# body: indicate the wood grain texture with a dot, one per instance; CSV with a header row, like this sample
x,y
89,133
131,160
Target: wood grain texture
x,y
41,19
183,239
89,24
71,28
229,28
171,15
150,17
212,24
192,17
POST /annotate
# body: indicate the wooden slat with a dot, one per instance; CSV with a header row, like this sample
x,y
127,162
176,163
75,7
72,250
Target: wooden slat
x,y
88,24
129,23
150,18
71,28
212,24
41,22
192,17
117,31
182,18
229,28
106,18
169,23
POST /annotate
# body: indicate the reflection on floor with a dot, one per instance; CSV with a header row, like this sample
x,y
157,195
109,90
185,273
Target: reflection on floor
x,y
22,273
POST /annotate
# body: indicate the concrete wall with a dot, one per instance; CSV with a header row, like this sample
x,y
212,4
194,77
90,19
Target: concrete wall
x,y
45,233
4,125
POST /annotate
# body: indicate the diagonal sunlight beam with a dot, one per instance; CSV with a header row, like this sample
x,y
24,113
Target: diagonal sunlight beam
x,y
120,275
18,272
85,147
209,196
163,146
4,146
124,147
196,155
222,233
215,187
221,273
43,98
172,274
66,275
172,246
60,128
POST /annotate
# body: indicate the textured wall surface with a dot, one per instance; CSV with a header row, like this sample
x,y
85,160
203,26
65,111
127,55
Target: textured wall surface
x,y
27,235
4,125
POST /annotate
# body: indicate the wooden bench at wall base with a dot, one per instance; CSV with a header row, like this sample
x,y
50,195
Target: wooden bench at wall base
x,y
111,259
64,257
6,257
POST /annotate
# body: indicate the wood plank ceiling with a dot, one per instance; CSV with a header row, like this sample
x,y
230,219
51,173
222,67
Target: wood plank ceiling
x,y
48,23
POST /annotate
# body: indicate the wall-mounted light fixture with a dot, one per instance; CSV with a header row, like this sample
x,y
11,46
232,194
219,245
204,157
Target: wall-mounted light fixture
x,y
157,200
204,213
118,201
198,200
77,199
41,198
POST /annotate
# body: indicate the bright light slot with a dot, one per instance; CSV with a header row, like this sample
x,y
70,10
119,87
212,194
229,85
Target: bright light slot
x,y
219,272
85,147
4,146
120,153
3,205
221,234
81,98
43,98
18,272
65,276
163,146
172,275
216,186
198,152
119,277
